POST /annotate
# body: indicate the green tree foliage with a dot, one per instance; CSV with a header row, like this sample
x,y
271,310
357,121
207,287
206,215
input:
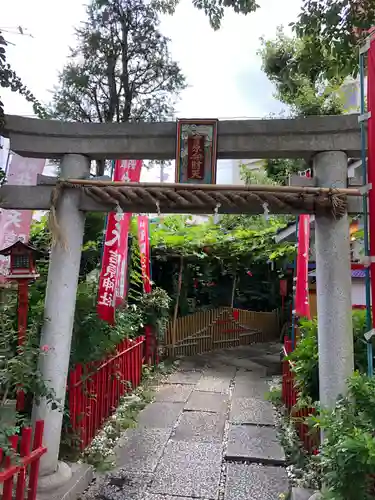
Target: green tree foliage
x,y
305,357
336,28
298,68
236,252
300,76
107,26
121,69
347,457
9,79
40,237
215,9
280,169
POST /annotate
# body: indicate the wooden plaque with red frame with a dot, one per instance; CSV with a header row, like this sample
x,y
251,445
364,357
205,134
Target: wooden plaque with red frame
x,y
196,151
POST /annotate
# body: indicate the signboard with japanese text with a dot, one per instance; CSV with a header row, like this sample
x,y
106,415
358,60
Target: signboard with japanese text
x,y
196,151
144,248
129,171
113,275
15,224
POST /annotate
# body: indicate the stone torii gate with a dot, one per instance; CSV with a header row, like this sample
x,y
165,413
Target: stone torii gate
x,y
326,141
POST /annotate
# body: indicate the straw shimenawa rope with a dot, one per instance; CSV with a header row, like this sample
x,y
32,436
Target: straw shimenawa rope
x,y
174,198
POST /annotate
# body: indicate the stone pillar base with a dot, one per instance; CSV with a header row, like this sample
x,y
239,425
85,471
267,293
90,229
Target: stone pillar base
x,y
67,483
52,482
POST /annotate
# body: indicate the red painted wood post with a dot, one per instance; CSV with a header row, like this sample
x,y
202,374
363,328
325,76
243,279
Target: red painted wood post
x,y
134,363
148,334
34,467
24,451
23,307
94,397
27,461
8,483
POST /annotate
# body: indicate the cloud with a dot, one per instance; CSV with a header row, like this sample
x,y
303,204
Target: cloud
x,y
257,91
221,67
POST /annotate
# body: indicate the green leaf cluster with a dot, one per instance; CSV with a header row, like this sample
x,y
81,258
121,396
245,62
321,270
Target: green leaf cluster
x,y
347,456
305,357
9,79
299,75
255,242
336,28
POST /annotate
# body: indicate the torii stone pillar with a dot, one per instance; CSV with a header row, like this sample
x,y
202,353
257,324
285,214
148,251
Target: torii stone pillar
x,y
58,318
333,277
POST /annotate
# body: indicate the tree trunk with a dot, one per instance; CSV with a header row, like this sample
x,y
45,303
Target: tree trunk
x,y
234,288
100,168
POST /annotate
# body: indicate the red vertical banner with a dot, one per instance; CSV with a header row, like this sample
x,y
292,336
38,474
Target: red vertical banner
x,y
112,281
371,161
130,171
302,306
144,248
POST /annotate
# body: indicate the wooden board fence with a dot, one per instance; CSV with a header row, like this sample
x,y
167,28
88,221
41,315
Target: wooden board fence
x,y
220,328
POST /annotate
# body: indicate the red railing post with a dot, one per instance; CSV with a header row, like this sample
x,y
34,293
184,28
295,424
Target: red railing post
x,y
95,389
13,476
290,399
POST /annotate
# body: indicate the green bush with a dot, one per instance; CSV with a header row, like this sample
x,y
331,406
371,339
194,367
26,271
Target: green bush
x,y
93,337
348,450
305,357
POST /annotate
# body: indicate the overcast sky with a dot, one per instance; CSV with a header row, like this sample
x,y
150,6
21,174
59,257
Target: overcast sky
x,y
222,68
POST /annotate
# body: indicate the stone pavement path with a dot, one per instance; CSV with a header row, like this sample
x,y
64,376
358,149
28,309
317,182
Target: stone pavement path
x,y
209,434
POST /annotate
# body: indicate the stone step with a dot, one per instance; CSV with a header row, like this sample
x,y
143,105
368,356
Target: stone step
x,y
251,443
254,482
251,411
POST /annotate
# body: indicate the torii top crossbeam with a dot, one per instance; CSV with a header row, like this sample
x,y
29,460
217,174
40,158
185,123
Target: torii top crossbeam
x,y
237,139
272,138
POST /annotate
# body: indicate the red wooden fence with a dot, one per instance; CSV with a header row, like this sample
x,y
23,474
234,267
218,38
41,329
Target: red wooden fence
x,y
309,438
19,476
95,389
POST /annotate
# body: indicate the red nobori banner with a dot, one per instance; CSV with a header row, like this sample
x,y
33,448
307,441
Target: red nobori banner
x,y
15,224
112,282
302,306
144,248
128,170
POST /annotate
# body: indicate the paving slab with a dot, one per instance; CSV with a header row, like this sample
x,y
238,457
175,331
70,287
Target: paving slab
x,y
255,444
251,411
200,426
184,377
173,393
252,482
188,364
256,371
220,369
248,364
120,485
160,415
301,494
189,470
140,449
153,496
207,401
251,388
211,383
